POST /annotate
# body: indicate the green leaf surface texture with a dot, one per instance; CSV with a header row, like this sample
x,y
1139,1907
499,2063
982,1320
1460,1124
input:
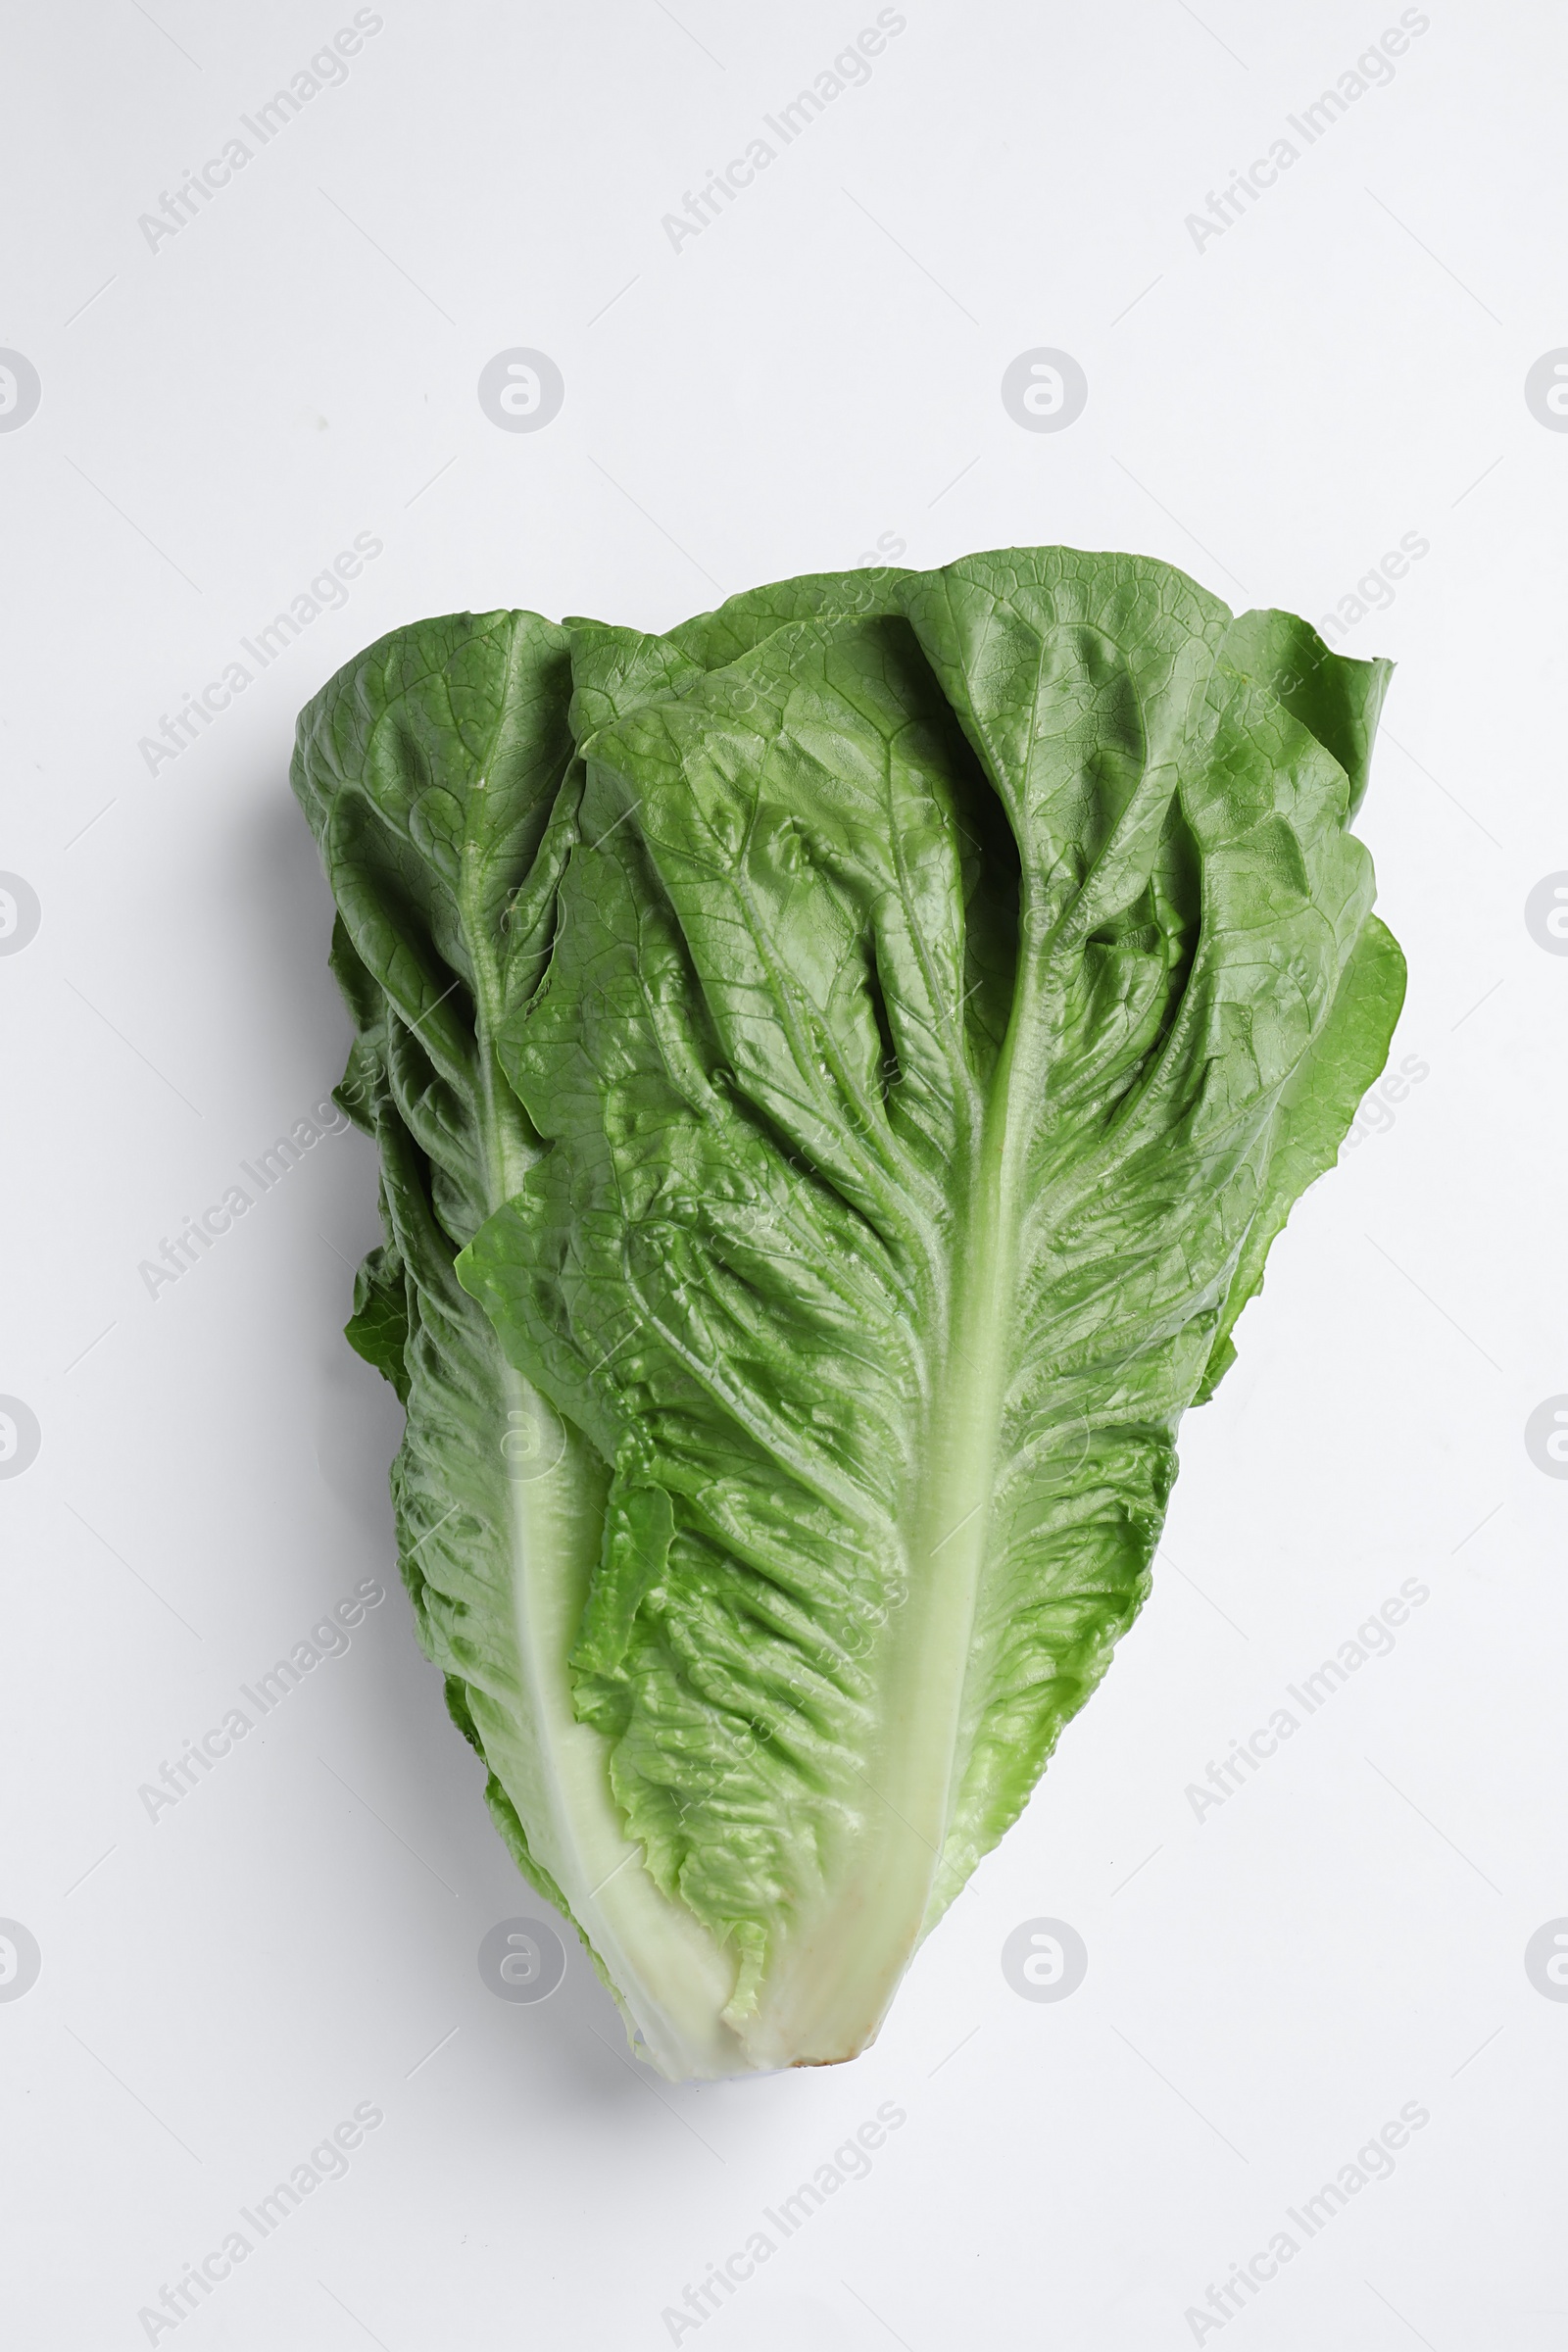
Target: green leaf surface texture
x,y
839,1068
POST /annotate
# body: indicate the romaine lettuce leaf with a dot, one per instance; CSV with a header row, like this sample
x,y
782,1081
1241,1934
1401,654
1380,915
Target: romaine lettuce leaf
x,y
838,1069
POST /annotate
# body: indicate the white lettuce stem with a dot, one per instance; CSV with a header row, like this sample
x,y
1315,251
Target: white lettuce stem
x,y
830,1988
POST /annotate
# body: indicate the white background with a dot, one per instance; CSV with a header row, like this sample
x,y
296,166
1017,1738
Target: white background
x,y
820,369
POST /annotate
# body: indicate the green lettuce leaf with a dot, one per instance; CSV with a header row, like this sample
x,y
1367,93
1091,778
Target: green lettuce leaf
x,y
838,1069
